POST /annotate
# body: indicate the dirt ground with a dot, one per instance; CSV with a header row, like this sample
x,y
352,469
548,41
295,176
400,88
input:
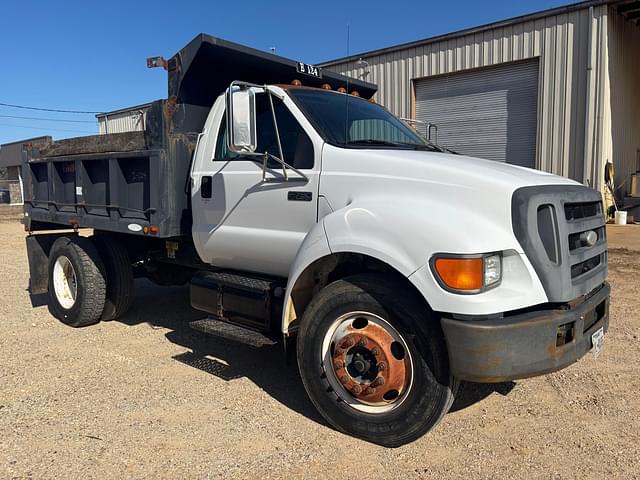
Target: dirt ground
x,y
624,236
147,397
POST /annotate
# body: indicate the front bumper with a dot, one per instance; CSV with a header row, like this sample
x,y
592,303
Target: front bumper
x,y
526,344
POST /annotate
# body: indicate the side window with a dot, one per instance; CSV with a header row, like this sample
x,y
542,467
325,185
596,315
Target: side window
x,y
297,148
222,147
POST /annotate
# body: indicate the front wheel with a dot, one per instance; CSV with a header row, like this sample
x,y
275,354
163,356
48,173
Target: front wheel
x,y
373,361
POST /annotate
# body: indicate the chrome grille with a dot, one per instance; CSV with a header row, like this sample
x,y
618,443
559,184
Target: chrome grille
x,y
577,211
583,218
553,225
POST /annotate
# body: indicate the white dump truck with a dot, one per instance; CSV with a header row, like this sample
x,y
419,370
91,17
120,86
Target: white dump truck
x,y
297,208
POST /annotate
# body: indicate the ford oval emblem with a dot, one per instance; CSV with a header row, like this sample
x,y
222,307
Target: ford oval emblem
x,y
589,238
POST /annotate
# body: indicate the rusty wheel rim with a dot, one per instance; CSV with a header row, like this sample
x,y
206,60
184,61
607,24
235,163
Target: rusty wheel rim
x,y
367,362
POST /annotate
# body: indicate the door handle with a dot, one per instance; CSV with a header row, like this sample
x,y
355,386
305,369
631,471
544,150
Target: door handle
x,y
206,186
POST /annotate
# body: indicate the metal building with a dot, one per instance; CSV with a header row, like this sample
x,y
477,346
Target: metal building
x,y
130,119
11,186
557,90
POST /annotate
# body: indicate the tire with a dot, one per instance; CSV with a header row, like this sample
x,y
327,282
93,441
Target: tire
x,y
77,286
420,389
120,290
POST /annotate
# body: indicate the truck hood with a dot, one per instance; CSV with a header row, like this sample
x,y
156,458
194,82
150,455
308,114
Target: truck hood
x,y
454,170
466,200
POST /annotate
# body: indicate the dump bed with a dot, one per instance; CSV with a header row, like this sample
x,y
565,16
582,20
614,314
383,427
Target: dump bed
x,y
137,182
134,182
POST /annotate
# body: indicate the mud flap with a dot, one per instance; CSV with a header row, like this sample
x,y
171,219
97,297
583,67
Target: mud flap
x,y
38,247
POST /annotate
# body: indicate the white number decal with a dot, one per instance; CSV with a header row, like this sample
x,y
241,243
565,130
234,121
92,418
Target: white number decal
x,y
309,69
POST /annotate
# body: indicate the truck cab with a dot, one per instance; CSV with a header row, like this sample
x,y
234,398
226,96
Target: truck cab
x,y
391,266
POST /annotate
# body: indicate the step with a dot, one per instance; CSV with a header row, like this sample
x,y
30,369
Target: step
x,y
228,331
250,284
237,299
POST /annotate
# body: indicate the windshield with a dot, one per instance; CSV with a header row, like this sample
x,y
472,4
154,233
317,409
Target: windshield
x,y
349,121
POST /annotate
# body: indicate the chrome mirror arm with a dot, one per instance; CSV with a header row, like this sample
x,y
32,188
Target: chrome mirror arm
x,y
285,165
275,126
266,155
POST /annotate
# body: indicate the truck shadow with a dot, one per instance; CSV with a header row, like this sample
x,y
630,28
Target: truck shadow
x,y
472,393
169,308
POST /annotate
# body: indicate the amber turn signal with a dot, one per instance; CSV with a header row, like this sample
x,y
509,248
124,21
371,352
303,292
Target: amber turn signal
x,y
460,273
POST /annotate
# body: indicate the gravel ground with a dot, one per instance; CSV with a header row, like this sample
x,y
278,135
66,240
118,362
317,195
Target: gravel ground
x,y
147,397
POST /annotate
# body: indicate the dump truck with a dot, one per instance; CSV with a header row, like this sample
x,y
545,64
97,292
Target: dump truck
x,y
298,209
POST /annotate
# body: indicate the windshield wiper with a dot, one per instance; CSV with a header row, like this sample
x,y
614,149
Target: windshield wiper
x,y
434,147
424,146
372,141
430,146
446,150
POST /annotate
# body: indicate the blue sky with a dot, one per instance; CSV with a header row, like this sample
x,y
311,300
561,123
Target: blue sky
x,y
90,55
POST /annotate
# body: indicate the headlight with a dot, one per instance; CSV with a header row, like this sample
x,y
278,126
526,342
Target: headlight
x,y
467,273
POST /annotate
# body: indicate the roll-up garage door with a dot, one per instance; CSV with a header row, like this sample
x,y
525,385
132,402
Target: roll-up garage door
x,y
488,113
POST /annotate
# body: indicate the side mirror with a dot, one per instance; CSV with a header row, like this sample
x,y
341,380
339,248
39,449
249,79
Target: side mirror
x,y
241,119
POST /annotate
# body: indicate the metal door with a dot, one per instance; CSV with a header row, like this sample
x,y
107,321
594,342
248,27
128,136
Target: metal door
x,y
488,113
245,222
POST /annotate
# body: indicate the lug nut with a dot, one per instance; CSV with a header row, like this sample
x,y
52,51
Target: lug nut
x,y
357,389
375,352
370,391
362,342
347,343
344,379
338,365
382,367
377,382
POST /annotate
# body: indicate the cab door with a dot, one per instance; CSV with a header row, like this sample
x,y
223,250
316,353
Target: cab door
x,y
245,222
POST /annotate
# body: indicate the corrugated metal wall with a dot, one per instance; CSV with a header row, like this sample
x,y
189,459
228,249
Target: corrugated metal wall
x,y
559,41
131,121
624,73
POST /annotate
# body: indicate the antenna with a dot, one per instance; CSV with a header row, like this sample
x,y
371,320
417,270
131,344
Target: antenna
x,y
346,97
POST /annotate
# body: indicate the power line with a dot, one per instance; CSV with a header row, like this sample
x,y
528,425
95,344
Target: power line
x,y
48,119
45,109
46,128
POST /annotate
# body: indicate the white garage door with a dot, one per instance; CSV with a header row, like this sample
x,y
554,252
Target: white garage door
x,y
488,113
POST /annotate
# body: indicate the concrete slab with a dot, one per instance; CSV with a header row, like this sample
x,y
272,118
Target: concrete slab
x,y
624,236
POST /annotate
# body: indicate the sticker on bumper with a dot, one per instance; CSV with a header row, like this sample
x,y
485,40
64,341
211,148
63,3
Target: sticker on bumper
x,y
597,340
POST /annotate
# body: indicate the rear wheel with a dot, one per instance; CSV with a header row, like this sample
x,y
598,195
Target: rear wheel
x,y
119,272
76,281
373,361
